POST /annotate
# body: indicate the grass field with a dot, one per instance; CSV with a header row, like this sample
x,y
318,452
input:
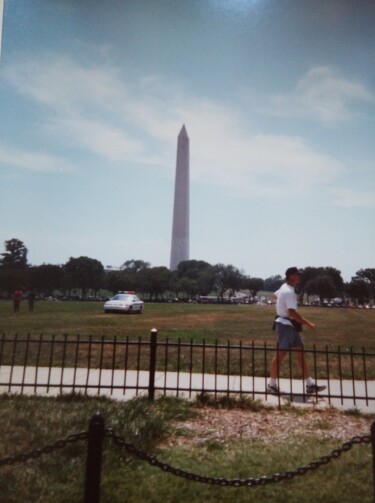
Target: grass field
x,y
335,327
58,477
226,324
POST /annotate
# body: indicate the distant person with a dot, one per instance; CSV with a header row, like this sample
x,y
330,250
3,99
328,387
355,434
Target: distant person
x,y
17,297
30,299
288,325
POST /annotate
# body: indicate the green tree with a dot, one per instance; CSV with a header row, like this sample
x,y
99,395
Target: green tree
x,y
254,285
84,273
196,277
12,279
135,265
45,278
13,266
155,281
226,277
323,281
323,286
273,283
368,275
15,256
192,268
358,290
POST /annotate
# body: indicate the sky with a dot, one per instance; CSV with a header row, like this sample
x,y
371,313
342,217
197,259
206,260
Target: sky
x,y
278,100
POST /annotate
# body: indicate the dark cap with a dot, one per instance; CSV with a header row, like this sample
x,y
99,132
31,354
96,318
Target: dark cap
x,y
293,270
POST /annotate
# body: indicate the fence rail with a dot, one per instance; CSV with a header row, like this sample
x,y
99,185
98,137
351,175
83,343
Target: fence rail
x,y
117,366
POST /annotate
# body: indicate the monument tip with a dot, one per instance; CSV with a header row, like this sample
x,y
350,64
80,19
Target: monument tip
x,y
183,131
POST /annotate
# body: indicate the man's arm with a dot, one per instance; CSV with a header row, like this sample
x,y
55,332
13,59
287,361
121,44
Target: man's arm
x,y
296,316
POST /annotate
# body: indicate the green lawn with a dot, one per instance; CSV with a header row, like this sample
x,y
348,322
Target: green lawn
x,y
344,327
58,477
209,324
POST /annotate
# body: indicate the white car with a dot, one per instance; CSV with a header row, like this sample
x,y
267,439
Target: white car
x,y
124,302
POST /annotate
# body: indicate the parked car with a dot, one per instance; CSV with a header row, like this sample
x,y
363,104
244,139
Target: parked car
x,y
124,302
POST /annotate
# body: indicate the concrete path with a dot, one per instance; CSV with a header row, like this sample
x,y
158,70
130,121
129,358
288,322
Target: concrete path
x,y
122,385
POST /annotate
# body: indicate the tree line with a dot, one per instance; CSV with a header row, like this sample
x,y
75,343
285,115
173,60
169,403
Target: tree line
x,y
192,278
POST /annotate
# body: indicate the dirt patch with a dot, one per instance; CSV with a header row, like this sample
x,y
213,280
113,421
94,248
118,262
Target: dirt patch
x,y
270,426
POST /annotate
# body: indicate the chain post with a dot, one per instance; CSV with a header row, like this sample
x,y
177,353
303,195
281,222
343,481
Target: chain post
x,y
152,368
373,452
96,434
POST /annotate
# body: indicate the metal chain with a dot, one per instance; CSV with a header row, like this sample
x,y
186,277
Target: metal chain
x,y
220,481
47,449
154,461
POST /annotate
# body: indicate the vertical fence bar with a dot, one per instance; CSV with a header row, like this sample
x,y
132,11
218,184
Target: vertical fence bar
x,y
315,365
228,367
190,367
303,373
365,373
278,371
340,375
152,367
50,362
63,365
101,363
138,365
178,366
114,346
15,340
327,373
75,363
25,363
126,356
166,351
253,367
88,364
203,362
40,341
215,367
94,458
352,370
240,368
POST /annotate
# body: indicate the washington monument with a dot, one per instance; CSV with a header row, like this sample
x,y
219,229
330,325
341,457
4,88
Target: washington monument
x,y
180,229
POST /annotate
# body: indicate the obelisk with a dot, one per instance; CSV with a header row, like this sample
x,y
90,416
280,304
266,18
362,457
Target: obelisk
x,y
180,229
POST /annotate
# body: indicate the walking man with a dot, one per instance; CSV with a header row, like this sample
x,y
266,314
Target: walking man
x,y
288,325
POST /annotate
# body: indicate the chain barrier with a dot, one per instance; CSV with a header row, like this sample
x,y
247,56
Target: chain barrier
x,y
47,449
178,472
220,481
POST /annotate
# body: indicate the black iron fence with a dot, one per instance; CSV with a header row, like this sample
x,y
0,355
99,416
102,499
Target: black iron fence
x,y
97,433
118,366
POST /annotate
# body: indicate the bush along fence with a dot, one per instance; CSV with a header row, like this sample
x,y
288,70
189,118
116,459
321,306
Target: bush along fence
x,y
121,367
97,433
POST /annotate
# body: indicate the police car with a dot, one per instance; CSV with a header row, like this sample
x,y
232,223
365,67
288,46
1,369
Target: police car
x,y
124,302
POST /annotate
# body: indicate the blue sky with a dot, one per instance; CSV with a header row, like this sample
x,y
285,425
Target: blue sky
x,y
278,99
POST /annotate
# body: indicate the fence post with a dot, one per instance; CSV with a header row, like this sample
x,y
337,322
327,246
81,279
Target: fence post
x,y
373,452
152,367
94,458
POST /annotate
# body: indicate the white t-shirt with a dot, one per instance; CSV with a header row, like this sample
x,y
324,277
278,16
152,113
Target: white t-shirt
x,y
286,299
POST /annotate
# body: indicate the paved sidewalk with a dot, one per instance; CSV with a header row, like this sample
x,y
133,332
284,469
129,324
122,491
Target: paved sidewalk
x,y
121,385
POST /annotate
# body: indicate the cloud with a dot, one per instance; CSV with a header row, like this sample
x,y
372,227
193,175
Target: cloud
x,y
350,198
32,161
96,109
322,95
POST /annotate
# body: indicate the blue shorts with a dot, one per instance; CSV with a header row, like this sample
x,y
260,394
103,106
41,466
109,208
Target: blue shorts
x,y
288,337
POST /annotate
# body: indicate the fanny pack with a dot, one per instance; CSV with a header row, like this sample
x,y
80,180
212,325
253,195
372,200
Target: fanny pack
x,y
296,324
